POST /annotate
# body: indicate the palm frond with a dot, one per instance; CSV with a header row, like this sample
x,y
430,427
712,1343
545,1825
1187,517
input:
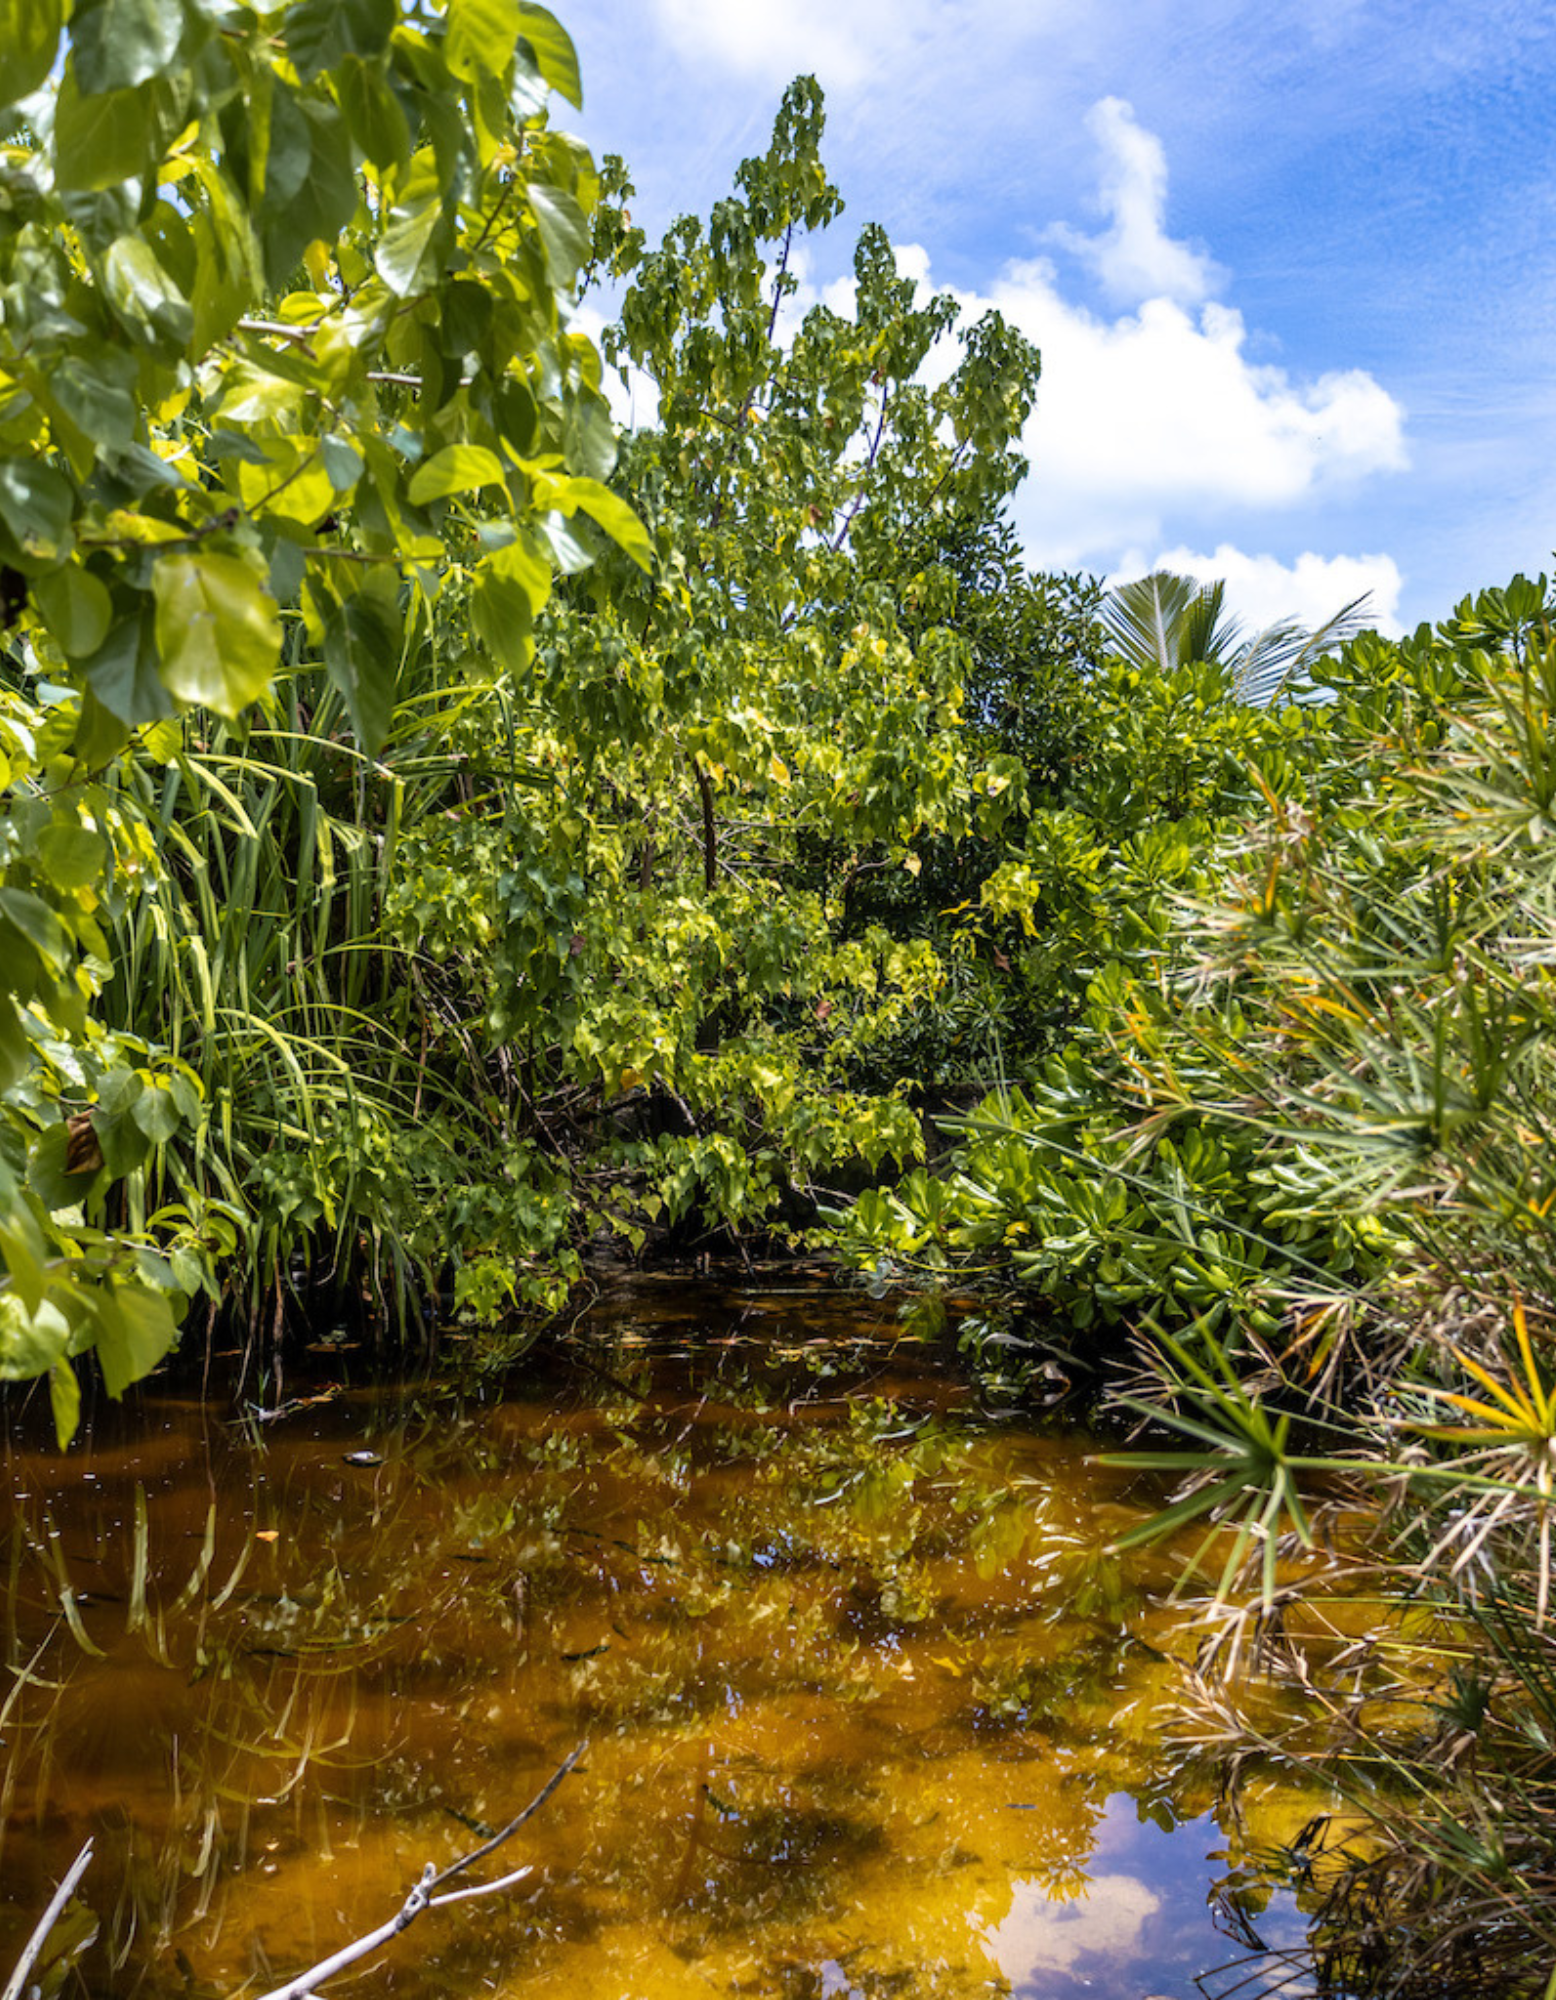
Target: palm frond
x,y
1145,618
1277,659
1164,621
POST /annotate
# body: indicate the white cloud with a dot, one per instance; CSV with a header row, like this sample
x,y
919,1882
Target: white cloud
x,y
1153,426
1151,422
775,39
1136,259
1161,412
633,396
1261,591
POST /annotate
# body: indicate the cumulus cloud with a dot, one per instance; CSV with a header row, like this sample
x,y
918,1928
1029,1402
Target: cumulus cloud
x,y
1263,591
1162,410
775,39
1157,420
1045,1935
1155,425
1136,259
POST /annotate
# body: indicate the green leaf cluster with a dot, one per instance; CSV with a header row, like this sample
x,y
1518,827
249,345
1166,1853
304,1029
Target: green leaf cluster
x,y
287,359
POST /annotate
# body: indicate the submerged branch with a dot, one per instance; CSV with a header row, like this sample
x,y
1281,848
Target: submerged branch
x,y
420,1898
16,1985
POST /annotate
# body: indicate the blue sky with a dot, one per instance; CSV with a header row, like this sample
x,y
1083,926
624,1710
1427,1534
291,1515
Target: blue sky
x,y
1292,267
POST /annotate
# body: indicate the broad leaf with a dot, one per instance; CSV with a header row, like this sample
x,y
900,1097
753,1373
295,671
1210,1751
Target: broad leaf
x,y
35,504
149,306
481,35
116,44
613,515
135,1329
30,1342
373,112
218,633
71,856
362,652
310,182
97,395
103,140
29,36
510,587
564,229
76,607
414,248
555,55
122,677
459,468
320,32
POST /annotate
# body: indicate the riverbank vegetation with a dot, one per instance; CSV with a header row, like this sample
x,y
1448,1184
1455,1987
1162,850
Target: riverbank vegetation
x,y
442,834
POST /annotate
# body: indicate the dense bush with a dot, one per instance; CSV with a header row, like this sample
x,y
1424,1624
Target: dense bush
x,y
1299,1143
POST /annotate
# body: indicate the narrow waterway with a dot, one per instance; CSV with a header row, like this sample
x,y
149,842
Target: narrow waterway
x,y
870,1708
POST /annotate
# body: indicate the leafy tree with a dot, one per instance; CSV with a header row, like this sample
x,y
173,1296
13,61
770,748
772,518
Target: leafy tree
x,y
285,294
725,753
500,921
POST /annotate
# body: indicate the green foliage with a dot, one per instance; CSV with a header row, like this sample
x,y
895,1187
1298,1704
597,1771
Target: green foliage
x,y
1164,621
1300,1141
470,921
655,926
280,295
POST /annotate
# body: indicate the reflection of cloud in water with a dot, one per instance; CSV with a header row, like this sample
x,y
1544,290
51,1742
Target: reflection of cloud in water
x,y
1041,1935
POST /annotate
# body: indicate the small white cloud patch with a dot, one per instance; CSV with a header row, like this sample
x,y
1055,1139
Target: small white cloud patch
x,y
777,39
1136,259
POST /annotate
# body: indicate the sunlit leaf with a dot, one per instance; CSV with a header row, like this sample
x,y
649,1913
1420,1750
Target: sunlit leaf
x,y
217,630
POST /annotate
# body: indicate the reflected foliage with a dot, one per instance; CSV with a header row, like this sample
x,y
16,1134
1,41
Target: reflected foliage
x,y
839,1647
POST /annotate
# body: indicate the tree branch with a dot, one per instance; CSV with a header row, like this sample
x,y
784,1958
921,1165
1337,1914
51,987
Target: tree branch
x,y
710,849
864,478
16,1985
421,1898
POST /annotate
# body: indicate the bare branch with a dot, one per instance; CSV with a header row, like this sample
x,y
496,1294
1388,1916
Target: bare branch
x,y
421,1898
270,329
864,478
504,1833
16,1984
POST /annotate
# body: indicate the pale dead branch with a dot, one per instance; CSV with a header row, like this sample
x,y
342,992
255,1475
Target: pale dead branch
x,y
422,1897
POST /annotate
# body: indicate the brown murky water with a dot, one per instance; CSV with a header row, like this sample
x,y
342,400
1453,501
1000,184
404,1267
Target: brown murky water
x,y
870,1709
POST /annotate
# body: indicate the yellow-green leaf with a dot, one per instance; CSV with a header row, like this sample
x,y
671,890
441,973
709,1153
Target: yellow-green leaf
x,y
77,609
458,468
218,633
552,46
29,35
610,513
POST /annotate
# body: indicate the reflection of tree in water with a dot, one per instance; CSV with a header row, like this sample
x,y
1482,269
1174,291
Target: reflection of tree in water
x,y
851,1667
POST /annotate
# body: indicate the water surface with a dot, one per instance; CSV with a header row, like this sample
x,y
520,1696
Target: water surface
x,y
870,1707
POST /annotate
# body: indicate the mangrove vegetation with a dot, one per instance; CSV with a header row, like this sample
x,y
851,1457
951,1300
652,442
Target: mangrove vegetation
x,y
454,844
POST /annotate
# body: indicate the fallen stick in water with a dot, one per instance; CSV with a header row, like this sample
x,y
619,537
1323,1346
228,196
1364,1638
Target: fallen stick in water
x,y
424,1896
17,1983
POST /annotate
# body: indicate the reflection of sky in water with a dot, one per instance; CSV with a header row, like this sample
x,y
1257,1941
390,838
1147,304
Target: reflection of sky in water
x,y
1140,1927
863,1693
